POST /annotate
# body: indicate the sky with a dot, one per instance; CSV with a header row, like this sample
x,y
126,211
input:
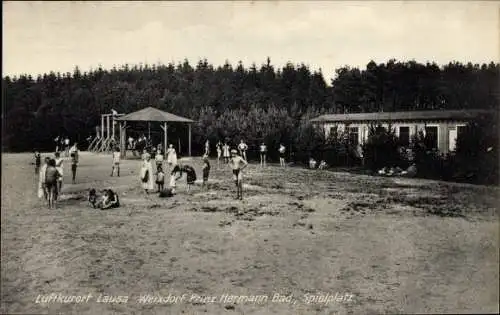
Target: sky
x,y
39,37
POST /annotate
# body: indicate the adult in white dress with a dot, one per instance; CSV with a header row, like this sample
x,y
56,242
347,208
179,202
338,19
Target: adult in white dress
x,y
171,155
146,174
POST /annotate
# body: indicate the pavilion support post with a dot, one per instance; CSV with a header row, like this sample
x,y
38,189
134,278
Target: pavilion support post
x,y
113,125
123,138
102,126
107,126
165,138
189,145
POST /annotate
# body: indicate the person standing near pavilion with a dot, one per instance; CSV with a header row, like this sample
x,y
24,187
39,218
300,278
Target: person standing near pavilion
x,y
207,148
171,156
282,155
66,146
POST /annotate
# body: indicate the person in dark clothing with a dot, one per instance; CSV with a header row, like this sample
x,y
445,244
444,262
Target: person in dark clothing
x,y
38,162
52,177
206,170
110,200
190,176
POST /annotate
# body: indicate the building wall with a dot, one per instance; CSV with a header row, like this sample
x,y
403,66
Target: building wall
x,y
445,138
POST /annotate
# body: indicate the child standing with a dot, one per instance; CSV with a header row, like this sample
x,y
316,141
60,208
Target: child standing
x,y
242,147
174,176
159,159
238,164
74,164
282,155
116,162
52,176
206,170
207,148
160,178
66,146
263,152
219,152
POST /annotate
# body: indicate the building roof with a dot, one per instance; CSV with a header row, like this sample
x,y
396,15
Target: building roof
x,y
153,114
410,115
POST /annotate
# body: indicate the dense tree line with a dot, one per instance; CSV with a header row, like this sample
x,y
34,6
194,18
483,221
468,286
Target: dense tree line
x,y
257,103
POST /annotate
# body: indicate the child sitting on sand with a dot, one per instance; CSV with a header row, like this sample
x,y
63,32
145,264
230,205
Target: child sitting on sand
x,y
110,200
322,165
312,163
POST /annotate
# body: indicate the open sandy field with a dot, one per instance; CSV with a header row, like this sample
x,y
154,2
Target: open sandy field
x,y
301,242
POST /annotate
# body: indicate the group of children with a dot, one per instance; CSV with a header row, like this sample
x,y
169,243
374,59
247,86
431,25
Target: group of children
x,y
51,173
312,164
223,151
177,171
237,163
108,199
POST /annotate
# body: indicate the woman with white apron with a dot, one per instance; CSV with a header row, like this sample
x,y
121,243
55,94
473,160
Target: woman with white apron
x,y
146,174
171,156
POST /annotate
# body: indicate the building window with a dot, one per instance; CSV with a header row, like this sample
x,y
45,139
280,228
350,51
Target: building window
x,y
354,136
404,135
431,137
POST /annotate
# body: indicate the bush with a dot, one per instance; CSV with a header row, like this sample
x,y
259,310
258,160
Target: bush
x,y
427,159
381,148
476,155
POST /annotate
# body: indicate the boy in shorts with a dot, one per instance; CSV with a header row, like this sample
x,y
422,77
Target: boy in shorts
x,y
52,177
238,164
160,178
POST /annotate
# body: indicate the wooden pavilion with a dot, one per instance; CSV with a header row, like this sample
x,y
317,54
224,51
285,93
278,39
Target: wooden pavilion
x,y
151,114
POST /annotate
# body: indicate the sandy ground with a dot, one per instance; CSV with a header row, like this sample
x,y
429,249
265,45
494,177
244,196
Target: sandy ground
x,y
301,242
